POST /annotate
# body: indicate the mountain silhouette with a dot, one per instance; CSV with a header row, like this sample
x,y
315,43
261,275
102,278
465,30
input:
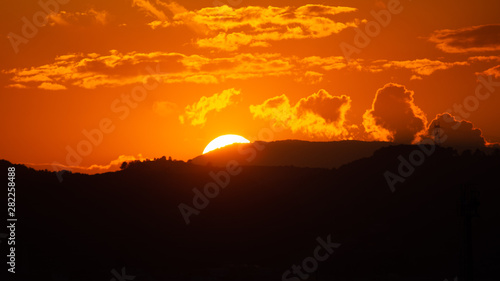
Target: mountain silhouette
x,y
296,153
264,221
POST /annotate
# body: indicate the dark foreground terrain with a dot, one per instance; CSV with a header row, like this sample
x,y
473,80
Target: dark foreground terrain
x,y
127,224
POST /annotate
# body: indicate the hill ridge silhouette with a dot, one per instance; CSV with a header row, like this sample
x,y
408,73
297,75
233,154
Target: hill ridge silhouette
x,y
298,153
263,222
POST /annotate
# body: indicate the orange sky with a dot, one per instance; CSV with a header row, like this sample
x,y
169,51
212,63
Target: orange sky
x,y
146,78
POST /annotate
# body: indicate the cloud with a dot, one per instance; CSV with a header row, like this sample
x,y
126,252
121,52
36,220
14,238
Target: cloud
x,y
16,86
418,67
455,133
480,38
321,10
310,77
228,28
196,113
493,71
117,162
422,67
319,114
326,63
226,42
202,79
51,86
158,23
91,70
88,17
115,69
394,116
113,165
165,108
484,58
150,9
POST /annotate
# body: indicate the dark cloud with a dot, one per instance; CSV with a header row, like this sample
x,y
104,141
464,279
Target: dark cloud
x,y
455,133
479,38
323,105
394,116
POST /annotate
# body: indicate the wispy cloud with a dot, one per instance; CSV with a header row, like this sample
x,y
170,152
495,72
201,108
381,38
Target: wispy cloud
x,y
479,38
196,114
51,86
422,67
494,71
93,70
150,8
113,165
115,69
88,17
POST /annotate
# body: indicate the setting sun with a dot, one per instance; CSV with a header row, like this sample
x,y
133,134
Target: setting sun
x,y
223,141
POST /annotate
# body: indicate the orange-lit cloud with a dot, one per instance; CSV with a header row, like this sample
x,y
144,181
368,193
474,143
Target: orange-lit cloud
x,y
394,116
418,67
196,114
90,16
51,86
327,63
494,71
150,8
484,58
422,67
480,38
16,86
455,133
319,114
158,23
115,69
254,26
310,77
90,70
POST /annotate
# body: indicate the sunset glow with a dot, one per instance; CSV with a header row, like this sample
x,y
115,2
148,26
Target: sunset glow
x,y
96,82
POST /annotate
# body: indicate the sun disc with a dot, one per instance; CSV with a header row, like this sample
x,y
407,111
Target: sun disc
x,y
223,141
